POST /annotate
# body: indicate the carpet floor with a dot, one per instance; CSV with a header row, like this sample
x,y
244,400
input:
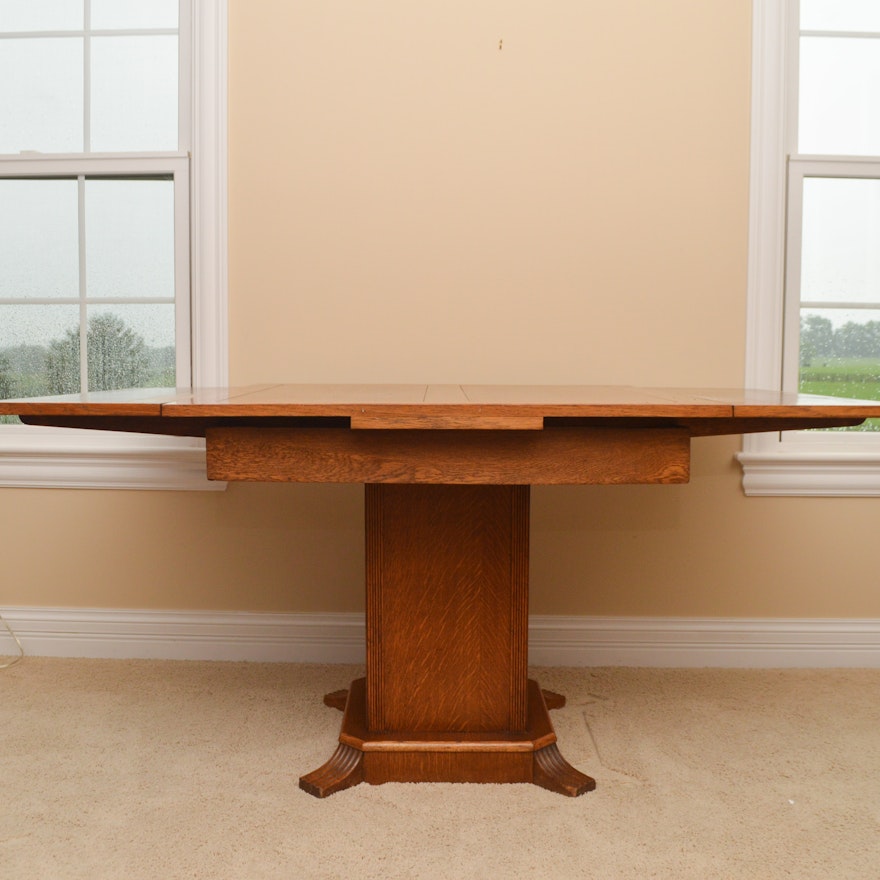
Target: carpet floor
x,y
165,770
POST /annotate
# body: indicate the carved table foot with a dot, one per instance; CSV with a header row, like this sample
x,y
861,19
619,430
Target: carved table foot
x,y
338,699
344,769
551,699
553,772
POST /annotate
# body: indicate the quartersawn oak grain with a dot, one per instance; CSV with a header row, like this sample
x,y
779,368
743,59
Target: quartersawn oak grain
x,y
428,598
550,457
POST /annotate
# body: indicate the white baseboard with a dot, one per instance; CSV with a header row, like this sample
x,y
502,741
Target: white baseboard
x,y
339,638
186,635
697,642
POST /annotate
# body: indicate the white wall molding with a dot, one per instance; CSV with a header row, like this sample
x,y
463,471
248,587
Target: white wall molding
x,y
210,214
186,635
45,458
339,638
696,642
767,188
810,473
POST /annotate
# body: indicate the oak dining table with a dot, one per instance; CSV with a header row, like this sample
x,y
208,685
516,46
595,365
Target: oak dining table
x,y
447,471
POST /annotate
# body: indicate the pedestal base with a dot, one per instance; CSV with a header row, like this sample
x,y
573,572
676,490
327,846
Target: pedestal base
x,y
447,696
530,755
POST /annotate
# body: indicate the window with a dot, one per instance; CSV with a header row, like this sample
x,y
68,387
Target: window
x,y
814,273
112,223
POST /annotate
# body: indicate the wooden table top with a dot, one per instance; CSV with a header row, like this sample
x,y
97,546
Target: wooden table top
x,y
427,407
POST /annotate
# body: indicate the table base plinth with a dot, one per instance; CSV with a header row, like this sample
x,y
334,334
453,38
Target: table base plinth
x,y
527,756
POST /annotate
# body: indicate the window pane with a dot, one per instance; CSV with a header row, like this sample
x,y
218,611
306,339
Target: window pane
x,y
841,241
839,109
840,15
128,346
47,15
127,14
840,355
39,241
39,350
129,238
41,95
134,93
131,346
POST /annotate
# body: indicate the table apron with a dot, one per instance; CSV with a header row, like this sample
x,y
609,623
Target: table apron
x,y
554,456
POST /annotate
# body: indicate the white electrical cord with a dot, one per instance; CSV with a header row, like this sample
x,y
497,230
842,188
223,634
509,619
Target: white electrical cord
x,y
14,660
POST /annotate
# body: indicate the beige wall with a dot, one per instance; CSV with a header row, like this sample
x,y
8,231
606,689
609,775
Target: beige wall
x,y
408,202
486,191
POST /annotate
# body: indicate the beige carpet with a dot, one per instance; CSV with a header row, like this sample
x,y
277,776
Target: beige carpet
x,y
160,770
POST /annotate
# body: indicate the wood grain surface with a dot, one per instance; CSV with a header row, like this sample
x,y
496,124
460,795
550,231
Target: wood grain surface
x,y
447,599
530,755
550,457
444,407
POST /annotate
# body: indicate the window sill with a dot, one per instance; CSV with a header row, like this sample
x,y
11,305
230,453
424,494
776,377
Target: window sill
x,y
808,465
57,458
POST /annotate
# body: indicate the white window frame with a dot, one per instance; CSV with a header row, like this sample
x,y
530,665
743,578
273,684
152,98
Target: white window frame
x,y
795,462
51,457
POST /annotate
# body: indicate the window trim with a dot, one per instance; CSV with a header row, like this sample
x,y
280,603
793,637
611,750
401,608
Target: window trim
x,y
796,462
51,457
